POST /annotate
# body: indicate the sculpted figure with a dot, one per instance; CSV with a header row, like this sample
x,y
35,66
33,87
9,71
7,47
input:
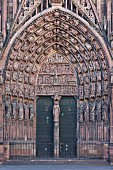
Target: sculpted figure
x,y
86,111
93,77
56,111
99,88
87,79
20,77
92,111
92,89
31,79
7,108
32,112
26,91
20,90
86,90
10,65
105,75
20,111
103,64
15,75
26,111
104,109
1,77
14,109
99,76
81,113
56,108
81,91
81,80
31,90
7,75
98,110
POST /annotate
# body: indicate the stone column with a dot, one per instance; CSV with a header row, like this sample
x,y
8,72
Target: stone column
x,y
56,113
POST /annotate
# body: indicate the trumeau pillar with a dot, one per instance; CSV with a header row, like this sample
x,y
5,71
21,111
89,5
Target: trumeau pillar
x,y
4,18
56,113
111,120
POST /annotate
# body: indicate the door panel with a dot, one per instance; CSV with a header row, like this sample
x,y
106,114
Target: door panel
x,y
44,125
68,125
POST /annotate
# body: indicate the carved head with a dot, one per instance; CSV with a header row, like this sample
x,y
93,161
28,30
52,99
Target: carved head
x,y
56,97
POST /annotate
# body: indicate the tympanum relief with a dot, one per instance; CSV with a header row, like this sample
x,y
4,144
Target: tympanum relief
x,y
56,76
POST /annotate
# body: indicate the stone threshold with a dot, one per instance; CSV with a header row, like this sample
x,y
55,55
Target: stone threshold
x,y
37,161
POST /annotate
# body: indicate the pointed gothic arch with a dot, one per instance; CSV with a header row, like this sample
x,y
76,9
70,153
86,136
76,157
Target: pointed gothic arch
x,y
61,31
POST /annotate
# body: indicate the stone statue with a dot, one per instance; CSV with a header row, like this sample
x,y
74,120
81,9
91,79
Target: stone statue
x,y
7,87
1,77
7,108
86,90
81,113
56,108
31,92
92,89
92,111
98,110
55,80
15,75
14,109
20,90
81,92
20,110
32,112
104,109
26,111
86,111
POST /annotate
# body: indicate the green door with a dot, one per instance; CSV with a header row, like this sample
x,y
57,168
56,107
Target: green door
x,y
44,127
68,126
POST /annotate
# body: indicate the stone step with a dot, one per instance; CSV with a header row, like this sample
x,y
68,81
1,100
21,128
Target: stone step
x,y
56,162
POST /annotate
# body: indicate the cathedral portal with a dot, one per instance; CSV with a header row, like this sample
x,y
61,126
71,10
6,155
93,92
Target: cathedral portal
x,y
56,95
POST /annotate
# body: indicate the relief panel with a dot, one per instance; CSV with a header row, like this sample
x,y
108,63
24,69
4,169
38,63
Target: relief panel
x,y
56,76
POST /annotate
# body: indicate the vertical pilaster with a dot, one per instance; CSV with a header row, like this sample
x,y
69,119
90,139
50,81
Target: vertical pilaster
x,y
4,18
14,7
99,9
109,18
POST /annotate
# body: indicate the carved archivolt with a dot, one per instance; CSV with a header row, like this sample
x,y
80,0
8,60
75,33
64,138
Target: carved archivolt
x,y
57,53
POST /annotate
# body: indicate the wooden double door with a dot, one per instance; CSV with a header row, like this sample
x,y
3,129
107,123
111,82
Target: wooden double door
x,y
45,127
